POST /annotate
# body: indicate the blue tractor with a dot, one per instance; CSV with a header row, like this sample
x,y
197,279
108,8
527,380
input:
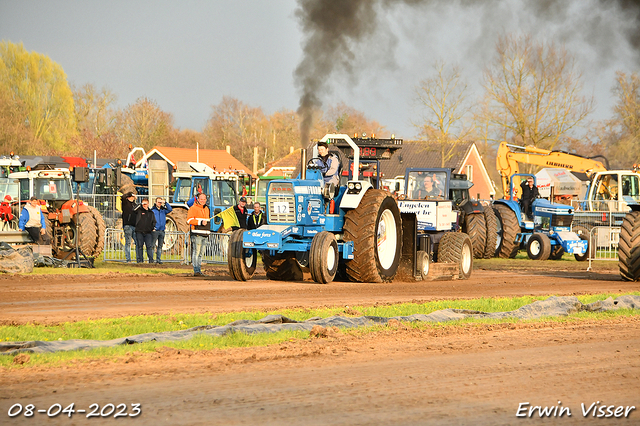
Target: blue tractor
x,y
356,230
547,236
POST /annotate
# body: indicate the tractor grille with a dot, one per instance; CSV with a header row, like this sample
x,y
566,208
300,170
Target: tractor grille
x,y
282,209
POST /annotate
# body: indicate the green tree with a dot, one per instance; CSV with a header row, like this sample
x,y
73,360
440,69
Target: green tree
x,y
41,86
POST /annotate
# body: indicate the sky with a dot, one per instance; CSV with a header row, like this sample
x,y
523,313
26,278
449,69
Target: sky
x,y
186,55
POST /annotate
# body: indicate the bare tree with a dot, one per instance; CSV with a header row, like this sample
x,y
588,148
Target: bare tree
x,y
445,110
144,124
534,92
621,134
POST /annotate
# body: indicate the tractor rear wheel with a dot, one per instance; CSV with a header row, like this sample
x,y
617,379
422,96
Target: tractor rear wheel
x,y
476,228
456,247
88,237
242,262
101,228
539,247
376,231
281,266
492,232
508,229
323,260
629,247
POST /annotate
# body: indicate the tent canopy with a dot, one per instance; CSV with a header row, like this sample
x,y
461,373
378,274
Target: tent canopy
x,y
563,182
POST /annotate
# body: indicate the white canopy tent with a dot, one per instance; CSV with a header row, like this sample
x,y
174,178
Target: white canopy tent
x,y
563,182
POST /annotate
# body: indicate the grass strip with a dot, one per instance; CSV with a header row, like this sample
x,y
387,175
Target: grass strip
x,y
105,329
112,328
201,342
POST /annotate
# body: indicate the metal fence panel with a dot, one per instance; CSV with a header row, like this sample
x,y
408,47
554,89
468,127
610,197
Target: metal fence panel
x,y
603,243
176,249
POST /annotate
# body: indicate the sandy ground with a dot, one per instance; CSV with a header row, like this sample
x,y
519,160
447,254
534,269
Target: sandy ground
x,y
478,374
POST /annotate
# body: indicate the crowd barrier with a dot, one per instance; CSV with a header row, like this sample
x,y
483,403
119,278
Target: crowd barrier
x,y
176,248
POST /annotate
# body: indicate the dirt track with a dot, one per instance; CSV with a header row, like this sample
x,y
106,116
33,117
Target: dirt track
x,y
476,375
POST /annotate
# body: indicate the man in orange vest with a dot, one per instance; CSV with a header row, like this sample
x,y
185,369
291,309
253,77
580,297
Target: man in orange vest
x,y
198,218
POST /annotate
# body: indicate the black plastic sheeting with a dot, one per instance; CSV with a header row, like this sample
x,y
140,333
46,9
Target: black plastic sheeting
x,y
551,307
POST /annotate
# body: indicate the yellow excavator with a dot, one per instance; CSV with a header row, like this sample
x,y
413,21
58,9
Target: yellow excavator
x,y
612,197
610,190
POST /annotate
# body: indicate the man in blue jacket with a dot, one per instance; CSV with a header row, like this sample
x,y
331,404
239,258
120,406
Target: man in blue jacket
x,y
160,210
33,221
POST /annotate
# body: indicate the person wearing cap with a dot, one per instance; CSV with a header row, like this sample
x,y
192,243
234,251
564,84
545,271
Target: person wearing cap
x,y
129,217
241,212
32,220
329,164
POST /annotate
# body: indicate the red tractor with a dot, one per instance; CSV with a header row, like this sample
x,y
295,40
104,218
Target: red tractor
x,y
65,214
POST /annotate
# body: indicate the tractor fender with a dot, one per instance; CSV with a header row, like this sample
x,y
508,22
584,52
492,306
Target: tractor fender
x,y
513,205
352,197
471,206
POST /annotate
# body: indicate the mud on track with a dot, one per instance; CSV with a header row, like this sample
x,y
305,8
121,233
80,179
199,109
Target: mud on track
x,y
477,374
52,299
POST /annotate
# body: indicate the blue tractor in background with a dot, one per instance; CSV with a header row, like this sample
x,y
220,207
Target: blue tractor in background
x,y
547,236
357,230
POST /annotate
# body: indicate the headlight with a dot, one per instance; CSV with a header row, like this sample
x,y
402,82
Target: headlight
x,y
358,185
248,244
350,185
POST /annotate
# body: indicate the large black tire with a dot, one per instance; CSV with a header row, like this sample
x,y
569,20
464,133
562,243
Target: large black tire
x,y
88,239
476,228
323,259
242,262
456,247
97,217
376,231
49,235
492,232
281,266
176,221
538,247
584,234
508,230
629,247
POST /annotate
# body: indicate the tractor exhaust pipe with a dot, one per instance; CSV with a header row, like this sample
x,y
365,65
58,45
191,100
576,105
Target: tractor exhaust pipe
x,y
303,163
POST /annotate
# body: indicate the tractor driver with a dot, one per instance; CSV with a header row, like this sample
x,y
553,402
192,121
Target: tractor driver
x,y
529,193
329,164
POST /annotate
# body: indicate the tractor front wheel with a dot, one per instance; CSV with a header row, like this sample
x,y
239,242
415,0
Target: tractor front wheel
x,y
323,261
242,262
456,247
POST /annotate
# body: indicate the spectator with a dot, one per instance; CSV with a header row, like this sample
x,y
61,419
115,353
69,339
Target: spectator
x,y
160,210
129,208
145,224
241,212
529,193
32,220
257,218
198,218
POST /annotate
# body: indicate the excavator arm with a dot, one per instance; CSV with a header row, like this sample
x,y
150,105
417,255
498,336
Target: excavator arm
x,y
510,155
